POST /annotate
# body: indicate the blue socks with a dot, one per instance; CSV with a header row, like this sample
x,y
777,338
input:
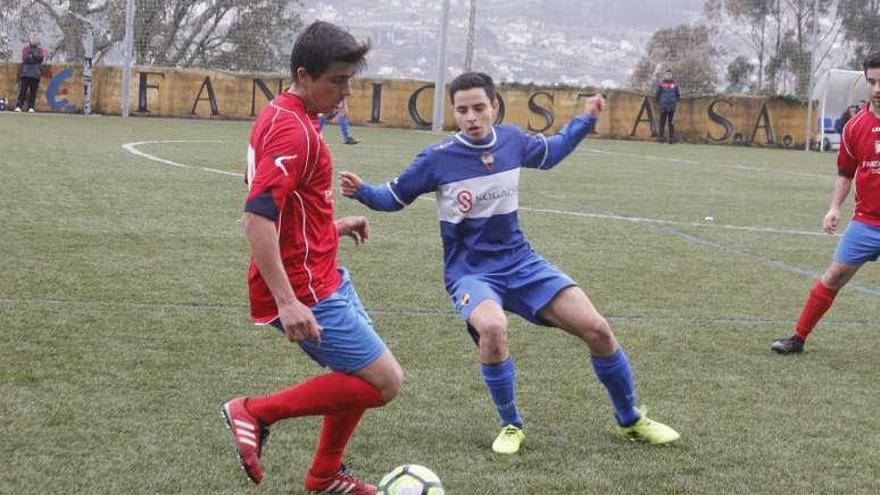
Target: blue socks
x,y
500,379
614,372
343,126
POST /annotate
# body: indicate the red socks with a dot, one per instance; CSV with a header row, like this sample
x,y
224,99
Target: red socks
x,y
336,429
322,395
817,304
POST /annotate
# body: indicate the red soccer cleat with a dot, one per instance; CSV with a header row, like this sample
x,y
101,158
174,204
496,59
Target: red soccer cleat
x,y
248,436
344,481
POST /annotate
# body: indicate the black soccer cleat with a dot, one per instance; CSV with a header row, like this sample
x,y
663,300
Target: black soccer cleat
x,y
788,345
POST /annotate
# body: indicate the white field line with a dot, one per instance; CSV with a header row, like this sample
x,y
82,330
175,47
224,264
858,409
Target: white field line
x,y
642,157
656,221
746,228
737,166
132,148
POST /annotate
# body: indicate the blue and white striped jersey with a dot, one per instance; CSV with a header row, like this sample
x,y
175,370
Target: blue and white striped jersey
x,y
477,192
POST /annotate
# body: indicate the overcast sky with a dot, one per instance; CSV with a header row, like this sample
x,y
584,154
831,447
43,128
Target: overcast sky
x,y
648,13
621,13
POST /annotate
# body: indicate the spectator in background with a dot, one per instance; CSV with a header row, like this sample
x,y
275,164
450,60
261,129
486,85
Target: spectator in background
x,y
845,116
32,57
667,98
341,116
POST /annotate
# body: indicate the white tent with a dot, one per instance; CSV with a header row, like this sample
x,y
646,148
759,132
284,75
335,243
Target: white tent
x,y
835,90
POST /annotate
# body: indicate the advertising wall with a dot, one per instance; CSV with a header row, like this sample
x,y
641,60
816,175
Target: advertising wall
x,y
191,93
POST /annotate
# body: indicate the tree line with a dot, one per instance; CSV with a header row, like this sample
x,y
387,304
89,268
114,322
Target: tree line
x,y
237,35
762,47
737,46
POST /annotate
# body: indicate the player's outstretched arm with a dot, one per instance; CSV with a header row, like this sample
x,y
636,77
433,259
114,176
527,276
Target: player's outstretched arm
x,y
375,196
545,153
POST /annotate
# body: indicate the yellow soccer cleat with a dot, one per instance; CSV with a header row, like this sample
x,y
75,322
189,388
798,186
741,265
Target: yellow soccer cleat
x,y
509,440
648,431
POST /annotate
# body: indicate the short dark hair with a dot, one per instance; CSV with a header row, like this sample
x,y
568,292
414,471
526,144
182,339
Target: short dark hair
x,y
470,80
872,61
323,43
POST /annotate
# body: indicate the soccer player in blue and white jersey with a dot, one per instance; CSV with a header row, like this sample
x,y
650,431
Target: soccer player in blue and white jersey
x,y
490,267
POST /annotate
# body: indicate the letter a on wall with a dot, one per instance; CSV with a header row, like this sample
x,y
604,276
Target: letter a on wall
x,y
764,116
211,98
646,107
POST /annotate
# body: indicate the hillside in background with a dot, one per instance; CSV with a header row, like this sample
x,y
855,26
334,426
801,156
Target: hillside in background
x,y
547,42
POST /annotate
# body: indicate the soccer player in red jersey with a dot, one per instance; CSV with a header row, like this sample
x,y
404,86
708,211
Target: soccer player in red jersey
x,y
858,159
294,282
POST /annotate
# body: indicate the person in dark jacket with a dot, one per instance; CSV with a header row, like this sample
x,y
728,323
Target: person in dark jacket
x,y
845,116
667,98
32,57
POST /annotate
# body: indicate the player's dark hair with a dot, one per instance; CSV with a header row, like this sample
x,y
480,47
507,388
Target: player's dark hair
x,y
470,80
872,61
322,44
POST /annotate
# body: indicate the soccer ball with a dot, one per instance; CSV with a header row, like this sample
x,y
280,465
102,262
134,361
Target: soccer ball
x,y
411,479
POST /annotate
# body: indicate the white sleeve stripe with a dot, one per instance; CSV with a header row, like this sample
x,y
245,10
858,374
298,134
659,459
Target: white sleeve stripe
x,y
388,185
844,133
546,150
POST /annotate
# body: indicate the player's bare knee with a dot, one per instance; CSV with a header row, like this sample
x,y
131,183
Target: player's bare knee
x,y
836,279
597,334
392,389
393,385
390,385
493,332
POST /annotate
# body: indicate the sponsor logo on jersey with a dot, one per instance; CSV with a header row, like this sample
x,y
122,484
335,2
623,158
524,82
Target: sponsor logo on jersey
x,y
488,159
496,194
872,167
876,129
465,201
877,147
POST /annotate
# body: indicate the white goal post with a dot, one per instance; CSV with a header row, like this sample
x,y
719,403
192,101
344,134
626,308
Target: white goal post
x,y
835,90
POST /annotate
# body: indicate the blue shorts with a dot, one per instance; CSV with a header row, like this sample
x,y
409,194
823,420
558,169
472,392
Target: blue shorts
x,y
860,243
525,289
348,341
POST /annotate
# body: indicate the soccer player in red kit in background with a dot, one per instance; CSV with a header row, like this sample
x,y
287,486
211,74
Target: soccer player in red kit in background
x,y
294,282
858,159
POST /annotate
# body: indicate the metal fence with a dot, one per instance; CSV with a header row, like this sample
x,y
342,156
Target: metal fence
x,y
754,47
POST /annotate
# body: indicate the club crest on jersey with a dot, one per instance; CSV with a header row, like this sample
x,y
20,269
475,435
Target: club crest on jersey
x,y
464,299
877,147
488,159
465,201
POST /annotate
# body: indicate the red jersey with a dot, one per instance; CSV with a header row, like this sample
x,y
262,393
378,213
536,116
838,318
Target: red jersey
x,y
290,181
859,158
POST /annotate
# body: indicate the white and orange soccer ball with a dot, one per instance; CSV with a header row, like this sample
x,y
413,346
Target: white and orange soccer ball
x,y
411,479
